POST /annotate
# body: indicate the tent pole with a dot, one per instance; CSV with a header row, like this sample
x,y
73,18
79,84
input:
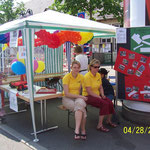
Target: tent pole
x,y
68,54
29,42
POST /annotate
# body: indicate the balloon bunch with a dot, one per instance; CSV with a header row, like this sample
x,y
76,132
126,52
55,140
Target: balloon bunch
x,y
54,40
18,66
38,42
70,36
86,36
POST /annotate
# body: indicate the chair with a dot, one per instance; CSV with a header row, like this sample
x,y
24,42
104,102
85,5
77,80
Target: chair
x,y
69,113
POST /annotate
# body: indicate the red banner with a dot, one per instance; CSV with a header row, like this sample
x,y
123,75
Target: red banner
x,y
137,90
132,63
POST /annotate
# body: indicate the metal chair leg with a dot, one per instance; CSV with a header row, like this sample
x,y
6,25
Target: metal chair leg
x,y
114,101
69,113
68,118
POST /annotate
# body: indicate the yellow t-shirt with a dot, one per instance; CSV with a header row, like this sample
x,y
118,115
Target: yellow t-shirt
x,y
73,83
92,81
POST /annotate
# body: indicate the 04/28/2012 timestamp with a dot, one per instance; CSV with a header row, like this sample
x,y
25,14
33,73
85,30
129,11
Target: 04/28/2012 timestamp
x,y
136,130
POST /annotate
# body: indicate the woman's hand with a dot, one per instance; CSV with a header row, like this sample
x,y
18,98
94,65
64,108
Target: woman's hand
x,y
100,97
103,96
84,98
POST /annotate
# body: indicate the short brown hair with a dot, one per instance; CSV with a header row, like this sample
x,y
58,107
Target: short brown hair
x,y
76,62
78,49
93,62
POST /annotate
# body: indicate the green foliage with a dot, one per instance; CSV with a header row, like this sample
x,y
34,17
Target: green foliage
x,y
10,11
91,7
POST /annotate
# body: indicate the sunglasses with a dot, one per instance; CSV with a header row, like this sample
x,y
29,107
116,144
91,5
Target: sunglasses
x,y
96,67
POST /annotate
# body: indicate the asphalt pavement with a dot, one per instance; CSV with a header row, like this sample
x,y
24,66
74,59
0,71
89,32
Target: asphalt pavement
x,y
15,133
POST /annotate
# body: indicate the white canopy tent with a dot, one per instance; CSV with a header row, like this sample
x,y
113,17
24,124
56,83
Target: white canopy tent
x,y
51,20
55,20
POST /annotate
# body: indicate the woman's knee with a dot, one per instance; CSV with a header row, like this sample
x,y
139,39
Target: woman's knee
x,y
68,103
80,102
105,104
80,105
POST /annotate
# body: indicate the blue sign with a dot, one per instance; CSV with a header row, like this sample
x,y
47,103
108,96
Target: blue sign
x,y
81,15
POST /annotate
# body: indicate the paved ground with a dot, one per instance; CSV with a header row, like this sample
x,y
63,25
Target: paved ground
x,y
9,142
16,132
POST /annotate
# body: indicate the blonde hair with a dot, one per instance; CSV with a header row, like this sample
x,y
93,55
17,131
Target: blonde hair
x,y
93,62
76,62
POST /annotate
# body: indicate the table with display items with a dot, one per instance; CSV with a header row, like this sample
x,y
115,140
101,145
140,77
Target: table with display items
x,y
24,95
37,77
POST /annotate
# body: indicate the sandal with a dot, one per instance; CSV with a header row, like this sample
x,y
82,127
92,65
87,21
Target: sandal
x,y
103,129
77,136
112,124
83,136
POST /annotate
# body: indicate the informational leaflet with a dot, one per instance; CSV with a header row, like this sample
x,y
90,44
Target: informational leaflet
x,y
13,101
13,39
22,52
121,35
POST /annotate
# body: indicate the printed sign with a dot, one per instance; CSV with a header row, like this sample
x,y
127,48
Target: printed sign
x,y
13,39
81,15
13,101
121,35
22,52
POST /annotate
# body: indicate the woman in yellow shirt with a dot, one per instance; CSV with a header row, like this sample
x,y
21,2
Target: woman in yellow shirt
x,y
73,101
94,91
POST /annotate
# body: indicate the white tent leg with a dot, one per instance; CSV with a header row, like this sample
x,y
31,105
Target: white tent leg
x,y
29,42
68,53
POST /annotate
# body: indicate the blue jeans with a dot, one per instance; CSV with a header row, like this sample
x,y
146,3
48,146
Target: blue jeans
x,y
110,96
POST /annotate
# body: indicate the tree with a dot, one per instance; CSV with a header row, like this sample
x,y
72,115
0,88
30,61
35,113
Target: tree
x,y
91,7
10,10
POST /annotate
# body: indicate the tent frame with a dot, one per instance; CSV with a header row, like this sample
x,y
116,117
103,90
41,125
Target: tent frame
x,y
28,26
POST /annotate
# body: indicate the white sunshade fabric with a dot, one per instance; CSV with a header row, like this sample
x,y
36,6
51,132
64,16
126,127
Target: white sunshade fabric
x,y
55,20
